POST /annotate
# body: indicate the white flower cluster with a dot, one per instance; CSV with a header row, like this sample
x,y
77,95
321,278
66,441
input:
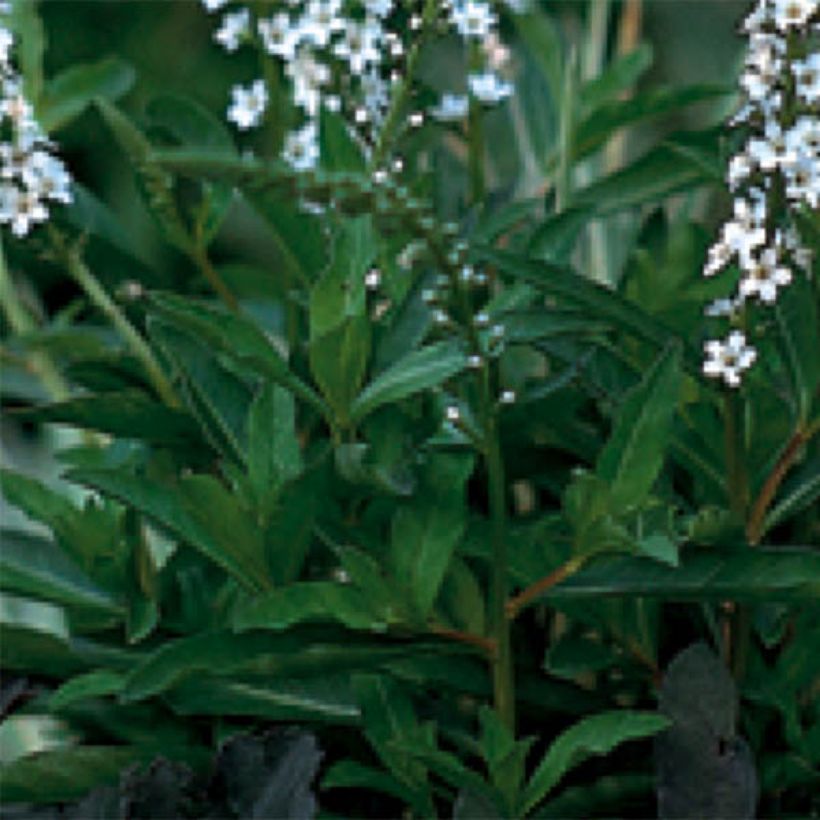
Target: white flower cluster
x,y
346,55
776,173
30,175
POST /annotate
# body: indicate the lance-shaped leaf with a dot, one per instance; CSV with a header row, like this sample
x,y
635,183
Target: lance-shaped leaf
x,y
67,95
217,396
425,532
417,371
235,335
783,574
598,302
634,454
125,413
32,565
595,735
338,360
197,509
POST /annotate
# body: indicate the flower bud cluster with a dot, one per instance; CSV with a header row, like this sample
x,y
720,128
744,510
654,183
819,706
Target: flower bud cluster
x,y
347,56
31,176
774,176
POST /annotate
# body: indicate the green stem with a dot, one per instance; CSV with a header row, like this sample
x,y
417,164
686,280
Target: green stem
x,y
502,666
475,133
200,258
737,482
130,335
402,91
738,627
21,323
563,182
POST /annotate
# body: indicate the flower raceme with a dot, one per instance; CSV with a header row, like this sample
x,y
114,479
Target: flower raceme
x,y
347,55
774,175
31,176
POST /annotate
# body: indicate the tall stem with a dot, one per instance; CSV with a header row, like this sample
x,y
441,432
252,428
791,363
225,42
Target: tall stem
x,y
403,90
129,334
503,684
737,483
738,622
476,137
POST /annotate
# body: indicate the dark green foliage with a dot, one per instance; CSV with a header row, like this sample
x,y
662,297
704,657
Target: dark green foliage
x,y
291,497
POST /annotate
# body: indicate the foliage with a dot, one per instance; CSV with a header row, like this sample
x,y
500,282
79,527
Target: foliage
x,y
422,463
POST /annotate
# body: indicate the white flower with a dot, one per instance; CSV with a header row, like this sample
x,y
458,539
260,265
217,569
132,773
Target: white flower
x,y
790,14
376,94
301,150
321,19
379,8
803,181
473,18
45,176
722,307
360,45
740,169
807,78
20,209
6,42
235,27
728,359
773,150
488,87
763,276
451,108
279,35
214,5
248,104
309,76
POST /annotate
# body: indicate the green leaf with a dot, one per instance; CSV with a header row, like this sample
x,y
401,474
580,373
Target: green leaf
x,y
419,370
125,414
598,302
798,493
323,601
197,509
546,45
390,722
349,774
85,534
264,655
31,565
608,118
67,95
619,76
190,123
340,293
595,735
798,323
783,574
98,683
338,360
273,455
324,700
35,636
555,238
217,396
678,164
235,335
300,237
339,151
635,451
425,532
27,25
64,774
